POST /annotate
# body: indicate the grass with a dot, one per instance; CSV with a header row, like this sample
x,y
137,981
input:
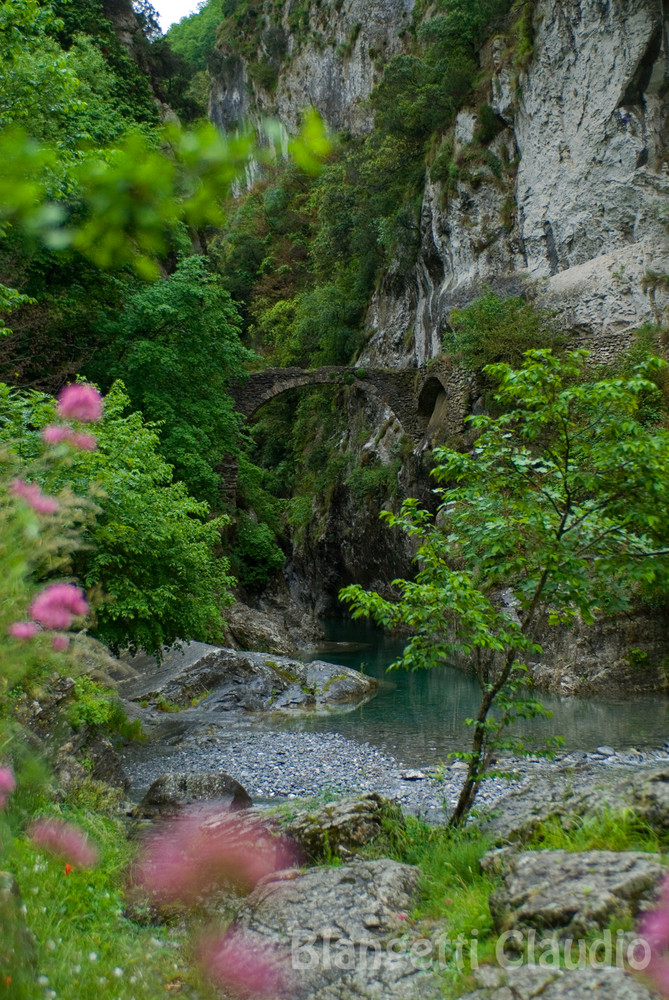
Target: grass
x,y
453,891
84,946
605,831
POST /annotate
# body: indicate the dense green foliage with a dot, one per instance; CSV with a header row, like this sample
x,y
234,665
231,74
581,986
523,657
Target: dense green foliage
x,y
194,37
148,553
562,505
175,344
494,329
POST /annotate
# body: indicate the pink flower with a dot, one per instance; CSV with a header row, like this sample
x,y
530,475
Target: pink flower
x,y
31,493
60,643
80,402
56,606
55,434
66,840
23,630
244,966
206,847
86,442
7,785
654,928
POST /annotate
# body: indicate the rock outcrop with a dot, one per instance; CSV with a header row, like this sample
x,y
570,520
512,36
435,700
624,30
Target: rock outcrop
x,y
574,893
172,792
567,793
529,981
332,64
345,930
224,680
581,225
339,829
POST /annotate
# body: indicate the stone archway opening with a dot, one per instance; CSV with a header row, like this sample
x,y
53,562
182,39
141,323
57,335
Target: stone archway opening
x,y
432,401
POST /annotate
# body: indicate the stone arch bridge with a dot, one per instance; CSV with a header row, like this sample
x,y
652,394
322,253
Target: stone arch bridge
x,y
413,395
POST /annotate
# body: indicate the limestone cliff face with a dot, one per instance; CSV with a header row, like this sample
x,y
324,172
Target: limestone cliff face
x,y
571,207
332,65
586,227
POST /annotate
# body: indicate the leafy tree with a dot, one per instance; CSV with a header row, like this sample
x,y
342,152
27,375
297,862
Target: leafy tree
x,y
175,344
562,505
194,37
149,552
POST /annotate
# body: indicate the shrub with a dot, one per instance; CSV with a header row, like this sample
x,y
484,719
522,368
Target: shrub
x,y
494,329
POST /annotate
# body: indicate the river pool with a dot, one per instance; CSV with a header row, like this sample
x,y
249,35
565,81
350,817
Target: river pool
x,y
419,717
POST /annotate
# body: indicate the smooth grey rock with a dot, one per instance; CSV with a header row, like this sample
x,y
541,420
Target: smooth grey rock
x,y
172,792
527,982
574,893
338,924
227,680
339,829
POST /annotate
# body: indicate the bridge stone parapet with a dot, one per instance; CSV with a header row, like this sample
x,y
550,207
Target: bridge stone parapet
x,y
414,395
409,393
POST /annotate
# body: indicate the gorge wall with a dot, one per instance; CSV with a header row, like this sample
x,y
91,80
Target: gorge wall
x,y
567,206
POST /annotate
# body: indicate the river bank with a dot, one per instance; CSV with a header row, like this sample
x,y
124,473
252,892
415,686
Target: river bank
x,y
274,764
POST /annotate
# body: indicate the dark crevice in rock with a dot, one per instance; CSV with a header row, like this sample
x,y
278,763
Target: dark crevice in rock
x,y
638,85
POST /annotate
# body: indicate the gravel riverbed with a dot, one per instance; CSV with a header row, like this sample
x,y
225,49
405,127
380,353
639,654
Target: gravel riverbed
x,y
275,764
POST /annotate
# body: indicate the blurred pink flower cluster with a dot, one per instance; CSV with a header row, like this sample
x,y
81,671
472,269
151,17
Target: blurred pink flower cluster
x,y
207,848
654,928
32,494
82,403
243,966
7,785
55,836
55,607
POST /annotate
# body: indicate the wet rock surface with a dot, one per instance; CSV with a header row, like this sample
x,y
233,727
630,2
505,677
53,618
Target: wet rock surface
x,y
337,924
574,893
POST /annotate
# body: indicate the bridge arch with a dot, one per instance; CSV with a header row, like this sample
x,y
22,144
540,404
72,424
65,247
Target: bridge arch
x,y
413,395
394,388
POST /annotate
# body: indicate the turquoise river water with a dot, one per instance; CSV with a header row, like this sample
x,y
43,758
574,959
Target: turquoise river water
x,y
419,717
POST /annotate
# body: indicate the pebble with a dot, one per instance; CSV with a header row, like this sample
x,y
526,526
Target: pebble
x,y
276,764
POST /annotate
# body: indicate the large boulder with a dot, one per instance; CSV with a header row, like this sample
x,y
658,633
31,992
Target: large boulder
x,y
346,931
574,893
339,829
226,680
172,792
